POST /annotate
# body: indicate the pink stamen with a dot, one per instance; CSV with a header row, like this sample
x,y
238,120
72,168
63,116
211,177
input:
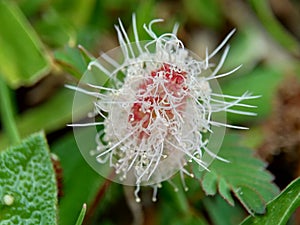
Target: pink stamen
x,y
158,101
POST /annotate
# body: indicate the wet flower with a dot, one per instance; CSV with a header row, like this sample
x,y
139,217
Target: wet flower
x,y
157,108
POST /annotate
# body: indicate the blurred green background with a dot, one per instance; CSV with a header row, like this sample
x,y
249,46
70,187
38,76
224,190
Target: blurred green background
x,y
39,54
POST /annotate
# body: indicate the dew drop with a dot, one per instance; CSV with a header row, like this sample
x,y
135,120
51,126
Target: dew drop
x,y
8,200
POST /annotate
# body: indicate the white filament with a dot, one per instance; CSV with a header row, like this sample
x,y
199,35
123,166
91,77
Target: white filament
x,y
151,118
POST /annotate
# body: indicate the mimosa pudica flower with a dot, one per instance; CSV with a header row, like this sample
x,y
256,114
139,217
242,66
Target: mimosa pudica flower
x,y
157,108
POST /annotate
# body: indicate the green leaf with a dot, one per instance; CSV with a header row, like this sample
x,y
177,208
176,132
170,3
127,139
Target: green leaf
x,y
43,117
207,12
7,113
220,213
168,213
78,178
246,39
31,7
22,56
280,209
209,183
28,192
225,191
144,14
244,175
80,12
54,29
255,82
178,206
73,60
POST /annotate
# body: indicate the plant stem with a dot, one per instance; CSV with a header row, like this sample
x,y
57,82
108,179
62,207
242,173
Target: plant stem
x,y
264,12
81,215
100,194
6,111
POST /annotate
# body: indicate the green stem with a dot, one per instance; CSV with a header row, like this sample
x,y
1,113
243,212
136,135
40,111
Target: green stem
x,y
264,12
81,215
6,111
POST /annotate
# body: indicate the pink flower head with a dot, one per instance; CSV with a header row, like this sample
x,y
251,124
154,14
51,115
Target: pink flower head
x,y
157,107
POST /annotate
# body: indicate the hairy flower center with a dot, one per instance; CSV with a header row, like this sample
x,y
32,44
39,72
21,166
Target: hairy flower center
x,y
160,95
